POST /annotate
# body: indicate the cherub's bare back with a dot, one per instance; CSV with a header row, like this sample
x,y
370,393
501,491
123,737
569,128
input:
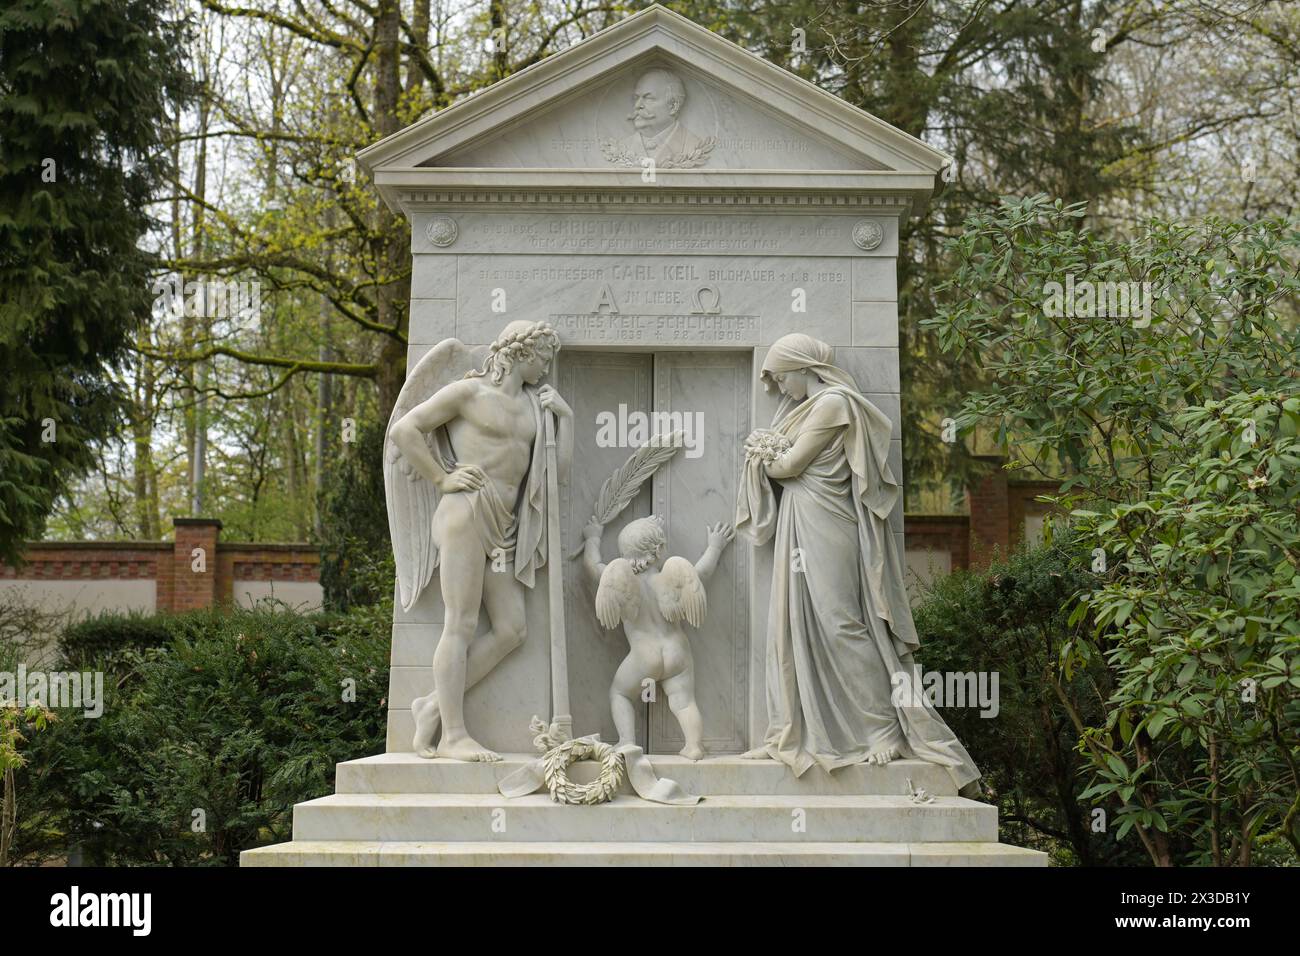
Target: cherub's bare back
x,y
650,627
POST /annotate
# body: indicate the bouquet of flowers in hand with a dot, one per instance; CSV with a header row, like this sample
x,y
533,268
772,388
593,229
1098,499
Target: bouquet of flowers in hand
x,y
766,445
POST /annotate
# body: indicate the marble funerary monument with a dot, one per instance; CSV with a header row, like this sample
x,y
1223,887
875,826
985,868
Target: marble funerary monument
x,y
653,308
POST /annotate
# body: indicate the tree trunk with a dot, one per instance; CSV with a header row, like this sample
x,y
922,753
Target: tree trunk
x,y
197,327
392,296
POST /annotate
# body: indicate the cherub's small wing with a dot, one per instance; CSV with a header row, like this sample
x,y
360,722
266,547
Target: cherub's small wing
x,y
412,500
681,592
619,596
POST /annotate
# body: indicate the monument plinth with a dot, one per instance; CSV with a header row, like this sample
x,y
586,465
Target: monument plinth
x,y
671,206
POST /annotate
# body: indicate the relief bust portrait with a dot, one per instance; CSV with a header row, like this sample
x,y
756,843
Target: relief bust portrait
x,y
658,99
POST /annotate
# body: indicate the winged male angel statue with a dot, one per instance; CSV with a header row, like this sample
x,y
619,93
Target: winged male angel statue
x,y
464,473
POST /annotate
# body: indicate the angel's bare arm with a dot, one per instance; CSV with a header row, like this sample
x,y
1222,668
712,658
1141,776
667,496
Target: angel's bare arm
x,y
408,431
591,550
719,535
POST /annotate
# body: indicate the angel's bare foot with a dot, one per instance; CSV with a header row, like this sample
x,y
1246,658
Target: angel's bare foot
x,y
881,757
427,721
692,752
758,753
465,747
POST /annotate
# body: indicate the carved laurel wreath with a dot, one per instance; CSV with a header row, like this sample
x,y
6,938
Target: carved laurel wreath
x,y
560,753
618,154
696,157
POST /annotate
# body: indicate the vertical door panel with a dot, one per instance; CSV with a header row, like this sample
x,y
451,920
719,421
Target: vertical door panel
x,y
594,383
696,489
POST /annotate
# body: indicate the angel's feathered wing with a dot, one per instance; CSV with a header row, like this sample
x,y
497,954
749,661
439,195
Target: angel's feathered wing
x,y
412,499
680,592
619,596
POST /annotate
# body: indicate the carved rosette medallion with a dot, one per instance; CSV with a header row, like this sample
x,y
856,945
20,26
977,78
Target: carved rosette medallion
x,y
442,231
868,234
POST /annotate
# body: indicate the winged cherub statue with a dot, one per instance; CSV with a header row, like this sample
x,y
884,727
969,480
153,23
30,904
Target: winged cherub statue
x,y
464,472
651,597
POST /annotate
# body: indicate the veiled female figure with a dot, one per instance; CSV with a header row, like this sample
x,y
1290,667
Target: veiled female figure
x,y
840,628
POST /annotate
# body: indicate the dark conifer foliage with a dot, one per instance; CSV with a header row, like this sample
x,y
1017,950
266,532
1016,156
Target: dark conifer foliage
x,y
86,87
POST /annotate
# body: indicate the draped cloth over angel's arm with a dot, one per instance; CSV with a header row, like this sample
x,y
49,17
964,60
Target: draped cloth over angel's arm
x,y
530,509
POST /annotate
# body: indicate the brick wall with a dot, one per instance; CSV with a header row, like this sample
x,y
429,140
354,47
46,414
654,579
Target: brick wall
x,y
194,563
196,569
1022,506
990,515
948,534
89,560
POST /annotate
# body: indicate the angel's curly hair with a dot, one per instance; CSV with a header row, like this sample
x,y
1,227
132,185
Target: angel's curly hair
x,y
519,341
641,540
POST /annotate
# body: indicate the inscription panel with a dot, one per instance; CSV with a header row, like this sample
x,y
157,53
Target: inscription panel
x,y
616,301
634,232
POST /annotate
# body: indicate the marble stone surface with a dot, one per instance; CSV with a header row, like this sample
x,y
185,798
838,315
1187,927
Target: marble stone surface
x,y
599,382
441,817
407,773
638,229
749,853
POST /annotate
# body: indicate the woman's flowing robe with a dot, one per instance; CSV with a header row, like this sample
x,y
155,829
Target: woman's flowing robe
x,y
841,680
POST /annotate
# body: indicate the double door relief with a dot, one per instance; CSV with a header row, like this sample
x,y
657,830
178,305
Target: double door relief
x,y
619,400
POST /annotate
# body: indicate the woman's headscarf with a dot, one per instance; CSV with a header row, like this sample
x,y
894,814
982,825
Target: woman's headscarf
x,y
797,351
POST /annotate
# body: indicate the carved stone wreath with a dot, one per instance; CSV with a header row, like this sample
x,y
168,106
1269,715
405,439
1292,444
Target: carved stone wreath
x,y
602,790
442,231
618,154
868,234
559,754
689,160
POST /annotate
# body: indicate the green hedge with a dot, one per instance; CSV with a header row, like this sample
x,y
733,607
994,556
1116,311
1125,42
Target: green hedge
x,y
1012,619
207,742
111,633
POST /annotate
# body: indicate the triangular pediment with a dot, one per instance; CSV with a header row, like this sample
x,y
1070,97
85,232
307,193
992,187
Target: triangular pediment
x,y
655,86
607,124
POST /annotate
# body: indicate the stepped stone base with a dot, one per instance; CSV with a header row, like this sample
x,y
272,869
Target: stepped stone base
x,y
399,810
358,853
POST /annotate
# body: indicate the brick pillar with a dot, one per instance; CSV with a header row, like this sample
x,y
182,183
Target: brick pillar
x,y
990,515
193,588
